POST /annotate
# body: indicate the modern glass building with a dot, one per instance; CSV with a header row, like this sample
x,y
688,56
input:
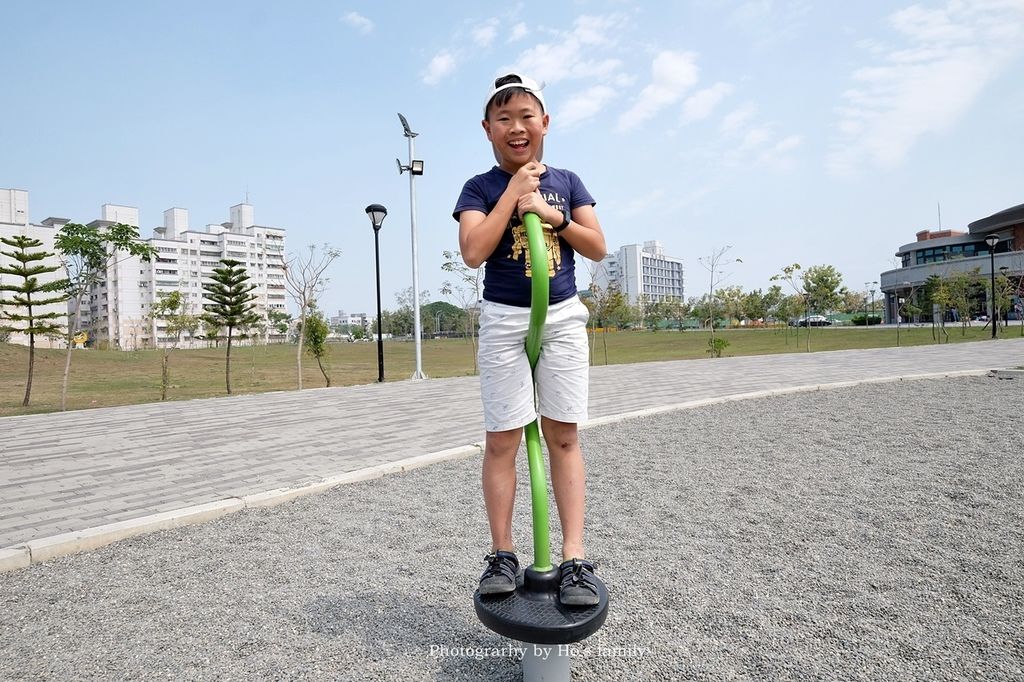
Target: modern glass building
x,y
948,252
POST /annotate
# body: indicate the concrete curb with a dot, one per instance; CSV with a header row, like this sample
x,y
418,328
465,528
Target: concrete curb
x,y
37,551
807,388
54,546
13,558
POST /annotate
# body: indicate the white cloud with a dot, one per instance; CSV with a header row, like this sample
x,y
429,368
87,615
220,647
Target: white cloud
x,y
702,103
765,23
788,144
927,83
736,119
585,104
441,65
518,32
584,52
672,74
567,57
358,22
484,35
755,137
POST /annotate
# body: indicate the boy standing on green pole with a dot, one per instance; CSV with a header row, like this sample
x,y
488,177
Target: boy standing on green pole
x,y
489,212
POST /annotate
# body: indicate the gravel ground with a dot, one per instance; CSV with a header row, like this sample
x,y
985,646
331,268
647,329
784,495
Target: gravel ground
x,y
872,532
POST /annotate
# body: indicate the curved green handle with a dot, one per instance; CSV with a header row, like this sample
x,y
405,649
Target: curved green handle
x,y
539,286
539,289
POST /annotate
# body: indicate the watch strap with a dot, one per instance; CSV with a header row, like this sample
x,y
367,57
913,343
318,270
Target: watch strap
x,y
566,219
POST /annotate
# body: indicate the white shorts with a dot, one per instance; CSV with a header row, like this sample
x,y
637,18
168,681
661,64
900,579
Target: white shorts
x,y
563,369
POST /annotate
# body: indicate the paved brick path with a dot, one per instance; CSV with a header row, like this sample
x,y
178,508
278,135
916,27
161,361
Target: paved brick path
x,y
72,471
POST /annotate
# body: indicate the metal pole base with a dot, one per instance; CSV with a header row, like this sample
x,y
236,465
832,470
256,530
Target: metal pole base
x,y
546,662
418,375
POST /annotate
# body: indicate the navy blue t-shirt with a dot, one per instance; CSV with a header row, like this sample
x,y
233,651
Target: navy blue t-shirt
x,y
507,276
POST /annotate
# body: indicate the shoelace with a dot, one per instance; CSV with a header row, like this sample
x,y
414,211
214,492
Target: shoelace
x,y
497,565
577,572
576,575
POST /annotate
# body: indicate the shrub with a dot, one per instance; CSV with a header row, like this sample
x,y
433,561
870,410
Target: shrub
x,y
716,346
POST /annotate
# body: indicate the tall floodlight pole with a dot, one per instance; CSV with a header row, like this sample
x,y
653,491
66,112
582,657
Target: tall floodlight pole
x,y
415,168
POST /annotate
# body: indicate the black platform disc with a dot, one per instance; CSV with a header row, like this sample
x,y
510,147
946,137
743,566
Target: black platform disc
x,y
538,616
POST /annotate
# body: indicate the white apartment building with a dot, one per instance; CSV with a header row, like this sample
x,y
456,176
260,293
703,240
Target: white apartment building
x,y
637,270
350,319
14,220
120,308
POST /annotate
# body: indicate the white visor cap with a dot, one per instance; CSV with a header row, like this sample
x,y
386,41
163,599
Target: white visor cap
x,y
526,83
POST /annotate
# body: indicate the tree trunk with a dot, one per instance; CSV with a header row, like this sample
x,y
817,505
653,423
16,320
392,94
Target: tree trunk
x,y
298,354
227,363
31,365
324,372
165,374
71,347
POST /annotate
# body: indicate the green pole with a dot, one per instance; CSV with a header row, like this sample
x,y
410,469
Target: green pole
x,y
538,314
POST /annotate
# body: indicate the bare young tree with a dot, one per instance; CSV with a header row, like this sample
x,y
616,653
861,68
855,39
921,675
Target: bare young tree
x,y
465,290
304,277
714,264
792,275
170,310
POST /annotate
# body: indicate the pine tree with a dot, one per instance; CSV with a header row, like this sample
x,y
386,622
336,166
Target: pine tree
x,y
19,312
232,305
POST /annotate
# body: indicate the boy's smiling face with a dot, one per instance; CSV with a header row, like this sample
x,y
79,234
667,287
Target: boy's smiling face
x,y
516,130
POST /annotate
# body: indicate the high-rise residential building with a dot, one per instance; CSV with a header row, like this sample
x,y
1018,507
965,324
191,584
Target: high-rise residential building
x,y
120,307
637,270
14,220
117,311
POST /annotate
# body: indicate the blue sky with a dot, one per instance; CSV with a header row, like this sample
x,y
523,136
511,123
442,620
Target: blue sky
x,y
810,132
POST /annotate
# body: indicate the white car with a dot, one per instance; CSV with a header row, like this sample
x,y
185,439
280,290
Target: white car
x,y
814,321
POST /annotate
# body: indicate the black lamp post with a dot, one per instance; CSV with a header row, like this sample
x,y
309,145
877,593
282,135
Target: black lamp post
x,y
899,312
1003,270
992,240
866,287
873,285
377,214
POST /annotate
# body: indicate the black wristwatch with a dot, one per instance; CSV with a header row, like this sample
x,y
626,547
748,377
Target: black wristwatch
x,y
567,218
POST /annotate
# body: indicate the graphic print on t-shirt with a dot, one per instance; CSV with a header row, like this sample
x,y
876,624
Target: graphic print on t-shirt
x,y
521,245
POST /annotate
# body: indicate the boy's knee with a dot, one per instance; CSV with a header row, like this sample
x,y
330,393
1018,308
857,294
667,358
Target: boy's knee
x,y
561,436
502,443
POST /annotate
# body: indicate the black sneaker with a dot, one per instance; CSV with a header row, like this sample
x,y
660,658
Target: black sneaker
x,y
500,575
577,584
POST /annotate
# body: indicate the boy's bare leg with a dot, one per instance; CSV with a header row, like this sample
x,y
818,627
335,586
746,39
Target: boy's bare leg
x,y
499,484
568,479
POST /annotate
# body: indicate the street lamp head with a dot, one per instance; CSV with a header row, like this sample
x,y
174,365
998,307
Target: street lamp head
x,y
992,240
415,167
406,130
376,212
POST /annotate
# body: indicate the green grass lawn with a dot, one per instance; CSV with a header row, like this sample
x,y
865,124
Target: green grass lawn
x,y
107,378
